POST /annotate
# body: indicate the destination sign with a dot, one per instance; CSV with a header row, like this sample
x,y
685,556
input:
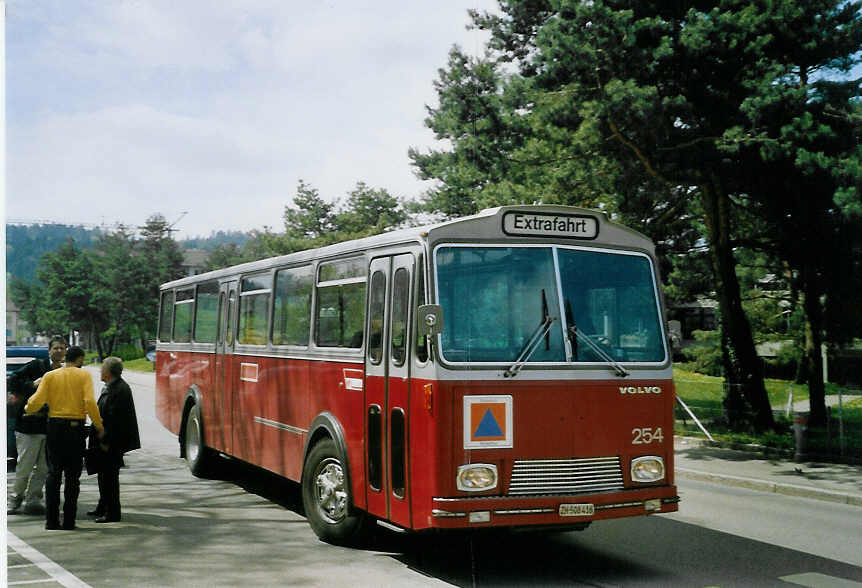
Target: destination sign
x,y
571,226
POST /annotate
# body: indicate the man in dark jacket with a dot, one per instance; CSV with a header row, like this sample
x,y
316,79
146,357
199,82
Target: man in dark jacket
x,y
121,435
30,432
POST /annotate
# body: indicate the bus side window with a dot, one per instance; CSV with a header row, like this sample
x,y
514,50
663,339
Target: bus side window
x,y
206,313
166,316
183,314
254,308
291,316
340,320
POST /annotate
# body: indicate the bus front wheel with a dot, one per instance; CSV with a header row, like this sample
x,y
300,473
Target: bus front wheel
x,y
198,455
326,496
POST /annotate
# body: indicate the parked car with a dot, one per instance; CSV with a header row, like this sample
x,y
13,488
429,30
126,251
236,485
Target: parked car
x,y
16,358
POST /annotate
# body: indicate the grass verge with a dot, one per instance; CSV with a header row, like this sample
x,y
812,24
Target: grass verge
x,y
140,365
704,396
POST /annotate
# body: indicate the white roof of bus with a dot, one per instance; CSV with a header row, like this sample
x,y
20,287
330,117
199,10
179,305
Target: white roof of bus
x,y
610,233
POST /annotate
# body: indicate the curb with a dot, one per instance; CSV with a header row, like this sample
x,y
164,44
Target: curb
x,y
766,486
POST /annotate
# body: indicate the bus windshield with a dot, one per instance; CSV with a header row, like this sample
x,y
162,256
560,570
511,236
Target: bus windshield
x,y
499,301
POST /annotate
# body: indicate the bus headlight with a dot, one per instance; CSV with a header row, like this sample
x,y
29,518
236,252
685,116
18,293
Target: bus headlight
x,y
476,477
649,468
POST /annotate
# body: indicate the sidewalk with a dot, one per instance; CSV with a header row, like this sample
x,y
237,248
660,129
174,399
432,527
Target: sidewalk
x,y
805,405
823,481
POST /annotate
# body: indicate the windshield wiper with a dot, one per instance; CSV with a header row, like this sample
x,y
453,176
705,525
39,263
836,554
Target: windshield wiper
x,y
575,335
531,346
540,332
572,330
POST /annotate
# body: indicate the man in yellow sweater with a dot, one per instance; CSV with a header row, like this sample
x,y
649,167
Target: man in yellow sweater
x,y
68,392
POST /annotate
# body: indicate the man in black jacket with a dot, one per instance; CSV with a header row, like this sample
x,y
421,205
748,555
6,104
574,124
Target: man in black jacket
x,y
121,435
30,432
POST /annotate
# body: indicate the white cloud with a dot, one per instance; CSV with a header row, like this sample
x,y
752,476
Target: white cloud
x,y
120,109
125,163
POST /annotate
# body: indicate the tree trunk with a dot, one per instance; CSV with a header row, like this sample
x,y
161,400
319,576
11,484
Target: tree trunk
x,y
744,371
736,409
98,344
812,357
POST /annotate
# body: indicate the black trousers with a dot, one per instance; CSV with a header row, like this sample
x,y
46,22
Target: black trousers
x,y
65,453
109,487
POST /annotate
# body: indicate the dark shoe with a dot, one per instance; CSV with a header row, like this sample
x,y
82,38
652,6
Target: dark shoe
x,y
67,527
13,507
96,513
52,526
106,519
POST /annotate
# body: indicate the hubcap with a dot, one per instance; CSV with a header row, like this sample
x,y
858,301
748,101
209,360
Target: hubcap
x,y
331,494
193,440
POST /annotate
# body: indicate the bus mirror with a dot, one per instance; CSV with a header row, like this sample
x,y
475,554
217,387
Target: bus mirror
x,y
430,319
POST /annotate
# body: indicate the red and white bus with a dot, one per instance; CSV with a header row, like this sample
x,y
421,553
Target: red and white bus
x,y
508,369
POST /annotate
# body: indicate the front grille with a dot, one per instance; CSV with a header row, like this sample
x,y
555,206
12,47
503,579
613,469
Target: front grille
x,y
565,476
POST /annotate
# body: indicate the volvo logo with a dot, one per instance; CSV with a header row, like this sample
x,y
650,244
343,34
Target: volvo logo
x,y
640,389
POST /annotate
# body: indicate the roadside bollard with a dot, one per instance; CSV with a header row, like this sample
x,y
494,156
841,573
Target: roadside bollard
x,y
800,433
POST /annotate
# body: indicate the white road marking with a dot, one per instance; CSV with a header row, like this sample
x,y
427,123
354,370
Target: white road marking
x,y
58,573
816,580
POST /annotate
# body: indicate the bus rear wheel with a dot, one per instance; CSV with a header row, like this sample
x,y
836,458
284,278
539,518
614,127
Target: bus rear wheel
x,y
198,455
326,496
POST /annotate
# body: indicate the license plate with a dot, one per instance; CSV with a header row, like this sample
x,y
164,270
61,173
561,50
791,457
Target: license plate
x,y
577,510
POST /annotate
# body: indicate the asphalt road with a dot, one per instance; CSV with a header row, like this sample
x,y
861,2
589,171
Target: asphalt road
x,y
247,529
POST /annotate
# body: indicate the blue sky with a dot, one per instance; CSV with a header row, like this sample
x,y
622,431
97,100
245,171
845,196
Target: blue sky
x,y
118,109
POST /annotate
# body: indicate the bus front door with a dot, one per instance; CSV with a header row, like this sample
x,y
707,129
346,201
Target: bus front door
x,y
387,387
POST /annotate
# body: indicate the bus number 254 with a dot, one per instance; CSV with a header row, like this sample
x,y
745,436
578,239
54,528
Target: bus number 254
x,y
646,436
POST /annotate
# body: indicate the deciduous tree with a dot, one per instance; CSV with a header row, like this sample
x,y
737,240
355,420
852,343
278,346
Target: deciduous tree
x,y
310,216
369,211
109,292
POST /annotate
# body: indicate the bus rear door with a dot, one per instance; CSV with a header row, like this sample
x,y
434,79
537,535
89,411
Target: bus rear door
x,y
387,387
224,368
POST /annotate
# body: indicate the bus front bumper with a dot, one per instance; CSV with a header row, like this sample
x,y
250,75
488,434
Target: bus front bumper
x,y
566,510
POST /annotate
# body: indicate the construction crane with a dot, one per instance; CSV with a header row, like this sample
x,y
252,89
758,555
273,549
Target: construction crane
x,y
179,218
169,228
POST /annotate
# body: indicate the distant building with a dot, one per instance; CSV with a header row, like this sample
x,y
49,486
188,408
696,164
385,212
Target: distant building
x,y
698,315
194,261
701,314
16,330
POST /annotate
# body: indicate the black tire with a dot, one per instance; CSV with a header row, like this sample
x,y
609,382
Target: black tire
x,y
198,455
326,496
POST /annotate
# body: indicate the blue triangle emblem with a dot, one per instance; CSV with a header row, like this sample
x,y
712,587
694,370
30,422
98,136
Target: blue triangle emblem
x,y
488,426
